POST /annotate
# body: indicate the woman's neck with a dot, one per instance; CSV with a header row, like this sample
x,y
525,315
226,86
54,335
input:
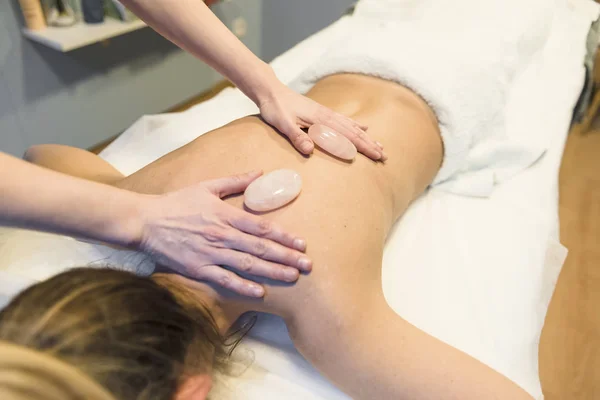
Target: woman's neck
x,y
225,307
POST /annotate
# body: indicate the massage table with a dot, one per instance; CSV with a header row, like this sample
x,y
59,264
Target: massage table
x,y
477,273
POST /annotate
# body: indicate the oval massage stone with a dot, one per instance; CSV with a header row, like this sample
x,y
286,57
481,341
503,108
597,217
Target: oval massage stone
x,y
332,142
273,190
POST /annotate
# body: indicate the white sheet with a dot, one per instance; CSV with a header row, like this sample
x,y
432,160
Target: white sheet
x,y
476,273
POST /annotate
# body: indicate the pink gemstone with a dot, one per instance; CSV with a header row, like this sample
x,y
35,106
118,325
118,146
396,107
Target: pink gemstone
x,y
273,190
332,142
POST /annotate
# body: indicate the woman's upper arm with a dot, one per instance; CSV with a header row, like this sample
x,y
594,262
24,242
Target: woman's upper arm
x,y
73,161
370,352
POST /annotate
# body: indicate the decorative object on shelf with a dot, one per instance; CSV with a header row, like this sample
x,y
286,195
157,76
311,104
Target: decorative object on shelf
x,y
76,7
116,9
33,14
93,11
60,13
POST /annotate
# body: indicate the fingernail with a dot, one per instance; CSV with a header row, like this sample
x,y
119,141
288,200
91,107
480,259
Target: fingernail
x,y
258,291
305,263
291,274
384,157
300,244
379,144
306,147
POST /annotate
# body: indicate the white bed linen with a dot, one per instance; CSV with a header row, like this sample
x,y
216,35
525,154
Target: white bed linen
x,y
476,273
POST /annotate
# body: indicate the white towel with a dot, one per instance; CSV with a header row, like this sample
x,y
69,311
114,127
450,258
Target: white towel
x,y
461,58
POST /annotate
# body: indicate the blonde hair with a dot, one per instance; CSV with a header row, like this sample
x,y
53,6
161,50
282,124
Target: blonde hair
x,y
131,335
26,374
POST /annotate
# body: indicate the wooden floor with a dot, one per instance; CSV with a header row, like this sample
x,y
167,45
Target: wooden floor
x,y
570,344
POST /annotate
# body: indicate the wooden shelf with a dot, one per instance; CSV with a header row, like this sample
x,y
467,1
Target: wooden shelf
x,y
82,34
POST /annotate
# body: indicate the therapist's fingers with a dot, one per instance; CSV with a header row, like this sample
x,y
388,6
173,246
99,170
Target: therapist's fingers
x,y
358,137
249,264
228,280
264,228
268,250
299,138
366,145
232,184
351,130
357,124
327,116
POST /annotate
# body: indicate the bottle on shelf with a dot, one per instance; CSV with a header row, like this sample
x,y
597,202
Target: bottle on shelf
x,y
93,11
33,14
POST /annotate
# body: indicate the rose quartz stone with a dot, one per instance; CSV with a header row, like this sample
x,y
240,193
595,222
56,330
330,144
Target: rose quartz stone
x,y
332,142
273,190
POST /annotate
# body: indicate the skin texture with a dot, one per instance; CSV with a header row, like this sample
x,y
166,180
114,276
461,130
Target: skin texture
x,y
337,315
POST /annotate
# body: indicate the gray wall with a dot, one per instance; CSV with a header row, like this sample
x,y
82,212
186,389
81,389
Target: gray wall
x,y
287,22
86,96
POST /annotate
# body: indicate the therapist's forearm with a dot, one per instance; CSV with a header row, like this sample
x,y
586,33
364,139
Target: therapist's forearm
x,y
32,197
192,26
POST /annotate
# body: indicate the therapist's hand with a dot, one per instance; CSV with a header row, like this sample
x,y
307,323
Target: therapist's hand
x,y
194,232
289,112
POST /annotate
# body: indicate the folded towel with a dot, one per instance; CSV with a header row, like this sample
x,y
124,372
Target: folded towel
x,y
461,58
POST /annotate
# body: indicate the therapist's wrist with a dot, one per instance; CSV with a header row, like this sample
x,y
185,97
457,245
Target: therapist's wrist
x,y
127,218
261,85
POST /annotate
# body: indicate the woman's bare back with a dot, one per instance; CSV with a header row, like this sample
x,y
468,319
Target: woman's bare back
x,y
345,209
337,315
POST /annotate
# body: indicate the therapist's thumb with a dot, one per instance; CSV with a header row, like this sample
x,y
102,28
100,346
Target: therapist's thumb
x,y
232,184
300,139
